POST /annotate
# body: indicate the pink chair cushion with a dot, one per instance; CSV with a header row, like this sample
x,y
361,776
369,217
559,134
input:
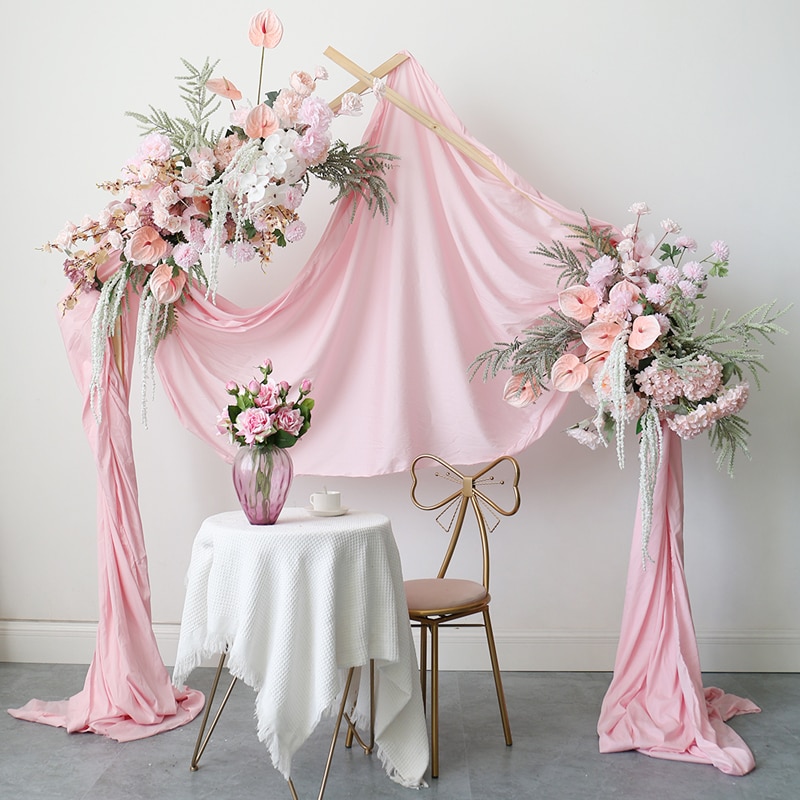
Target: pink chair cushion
x,y
428,595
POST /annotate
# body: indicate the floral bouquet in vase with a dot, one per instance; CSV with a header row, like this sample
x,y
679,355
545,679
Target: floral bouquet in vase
x,y
626,338
264,422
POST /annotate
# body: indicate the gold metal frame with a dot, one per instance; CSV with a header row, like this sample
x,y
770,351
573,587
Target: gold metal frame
x,y
203,737
430,620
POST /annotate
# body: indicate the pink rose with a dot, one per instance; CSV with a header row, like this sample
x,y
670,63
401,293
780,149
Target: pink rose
x,y
568,373
266,30
268,396
166,286
147,247
578,302
600,335
624,296
644,332
305,386
261,122
302,83
254,424
289,420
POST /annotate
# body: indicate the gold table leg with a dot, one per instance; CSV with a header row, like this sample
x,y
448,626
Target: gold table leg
x,y
202,741
200,744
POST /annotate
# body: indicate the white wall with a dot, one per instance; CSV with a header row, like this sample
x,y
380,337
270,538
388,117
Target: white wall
x,y
690,105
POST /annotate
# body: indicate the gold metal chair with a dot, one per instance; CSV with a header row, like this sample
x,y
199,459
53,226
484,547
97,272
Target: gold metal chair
x,y
441,601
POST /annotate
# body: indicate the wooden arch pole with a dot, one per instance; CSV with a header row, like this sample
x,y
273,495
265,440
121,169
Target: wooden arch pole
x,y
367,79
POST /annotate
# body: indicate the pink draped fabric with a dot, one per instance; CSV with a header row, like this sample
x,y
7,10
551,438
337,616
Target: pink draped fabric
x,y
127,693
386,319
656,702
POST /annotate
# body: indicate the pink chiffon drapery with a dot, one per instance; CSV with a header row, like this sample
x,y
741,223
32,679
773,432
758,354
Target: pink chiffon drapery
x,y
385,320
127,693
656,702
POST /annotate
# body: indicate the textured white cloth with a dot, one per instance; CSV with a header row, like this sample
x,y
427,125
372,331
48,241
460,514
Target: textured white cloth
x,y
296,604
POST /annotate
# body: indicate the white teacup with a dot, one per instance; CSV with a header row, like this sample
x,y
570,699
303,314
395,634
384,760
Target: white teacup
x,y
326,501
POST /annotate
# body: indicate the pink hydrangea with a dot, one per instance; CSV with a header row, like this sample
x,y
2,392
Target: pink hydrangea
x,y
687,426
702,379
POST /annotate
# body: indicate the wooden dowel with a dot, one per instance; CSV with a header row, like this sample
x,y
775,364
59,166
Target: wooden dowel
x,y
461,144
359,87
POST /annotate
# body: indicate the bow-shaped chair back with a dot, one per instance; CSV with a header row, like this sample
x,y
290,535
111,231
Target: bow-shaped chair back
x,y
472,491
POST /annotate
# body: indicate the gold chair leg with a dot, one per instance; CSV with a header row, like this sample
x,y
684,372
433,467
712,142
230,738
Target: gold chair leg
x,y
423,664
200,744
434,701
498,683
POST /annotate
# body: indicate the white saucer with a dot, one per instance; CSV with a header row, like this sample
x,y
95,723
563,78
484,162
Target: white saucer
x,y
337,513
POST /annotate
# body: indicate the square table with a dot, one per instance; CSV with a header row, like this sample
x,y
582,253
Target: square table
x,y
293,606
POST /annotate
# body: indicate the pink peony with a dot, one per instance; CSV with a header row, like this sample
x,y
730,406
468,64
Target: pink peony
x,y
154,147
313,146
600,335
578,302
146,246
266,30
316,113
261,122
166,286
568,373
644,331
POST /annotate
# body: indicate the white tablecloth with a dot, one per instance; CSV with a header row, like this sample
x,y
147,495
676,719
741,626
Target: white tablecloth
x,y
296,604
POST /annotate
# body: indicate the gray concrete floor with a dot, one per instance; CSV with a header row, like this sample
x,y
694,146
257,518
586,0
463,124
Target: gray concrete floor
x,y
554,755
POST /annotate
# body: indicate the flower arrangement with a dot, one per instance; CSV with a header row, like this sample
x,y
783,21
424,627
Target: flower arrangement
x,y
625,337
190,194
260,413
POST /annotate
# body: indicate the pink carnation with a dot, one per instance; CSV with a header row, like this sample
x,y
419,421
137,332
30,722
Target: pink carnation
x,y
295,231
185,255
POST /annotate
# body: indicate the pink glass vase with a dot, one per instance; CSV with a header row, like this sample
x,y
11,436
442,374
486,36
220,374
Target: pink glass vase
x,y
262,477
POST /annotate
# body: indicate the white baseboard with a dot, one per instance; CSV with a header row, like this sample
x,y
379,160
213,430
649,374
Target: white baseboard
x,y
46,642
